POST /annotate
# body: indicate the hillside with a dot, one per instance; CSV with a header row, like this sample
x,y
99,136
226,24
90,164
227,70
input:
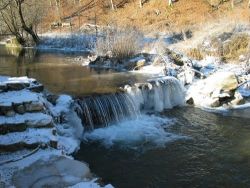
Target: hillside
x,y
153,17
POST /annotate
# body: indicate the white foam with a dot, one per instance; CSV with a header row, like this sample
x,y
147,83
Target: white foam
x,y
147,130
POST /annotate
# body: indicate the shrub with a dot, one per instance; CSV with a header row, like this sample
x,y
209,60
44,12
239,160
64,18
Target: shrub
x,y
238,45
119,43
195,53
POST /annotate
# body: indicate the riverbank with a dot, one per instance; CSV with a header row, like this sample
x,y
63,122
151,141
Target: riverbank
x,y
35,131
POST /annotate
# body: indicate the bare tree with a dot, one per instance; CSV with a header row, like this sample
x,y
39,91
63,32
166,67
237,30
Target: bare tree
x,y
170,2
112,5
22,16
140,3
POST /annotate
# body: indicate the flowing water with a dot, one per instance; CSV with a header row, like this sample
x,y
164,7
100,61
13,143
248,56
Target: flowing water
x,y
62,72
130,141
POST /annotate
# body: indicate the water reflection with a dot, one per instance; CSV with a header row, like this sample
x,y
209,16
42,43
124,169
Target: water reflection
x,y
62,73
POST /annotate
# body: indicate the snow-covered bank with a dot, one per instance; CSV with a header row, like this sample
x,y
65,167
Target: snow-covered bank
x,y
67,42
35,132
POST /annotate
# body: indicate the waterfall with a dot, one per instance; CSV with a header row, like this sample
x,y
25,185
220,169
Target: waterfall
x,y
101,111
157,94
154,95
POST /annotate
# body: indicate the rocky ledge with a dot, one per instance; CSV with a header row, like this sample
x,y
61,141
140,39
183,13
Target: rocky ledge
x,y
34,132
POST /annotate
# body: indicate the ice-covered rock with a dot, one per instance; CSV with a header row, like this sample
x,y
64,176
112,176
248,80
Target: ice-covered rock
x,y
216,90
55,172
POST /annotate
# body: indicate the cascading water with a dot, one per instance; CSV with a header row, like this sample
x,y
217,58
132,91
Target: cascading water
x,y
155,95
158,94
101,111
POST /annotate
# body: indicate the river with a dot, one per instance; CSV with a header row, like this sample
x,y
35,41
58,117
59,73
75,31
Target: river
x,y
208,149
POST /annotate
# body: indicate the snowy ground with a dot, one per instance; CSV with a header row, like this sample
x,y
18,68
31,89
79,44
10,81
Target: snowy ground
x,y
22,129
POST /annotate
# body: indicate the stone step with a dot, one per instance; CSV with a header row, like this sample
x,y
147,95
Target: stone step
x,y
20,102
29,139
19,123
19,83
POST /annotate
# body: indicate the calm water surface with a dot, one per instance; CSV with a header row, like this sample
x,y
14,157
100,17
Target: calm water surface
x,y
62,72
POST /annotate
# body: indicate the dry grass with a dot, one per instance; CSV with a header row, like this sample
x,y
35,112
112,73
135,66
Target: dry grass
x,y
119,43
155,15
238,45
195,53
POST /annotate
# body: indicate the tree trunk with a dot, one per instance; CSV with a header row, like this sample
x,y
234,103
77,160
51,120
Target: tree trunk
x,y
170,3
140,3
232,4
24,26
112,5
20,40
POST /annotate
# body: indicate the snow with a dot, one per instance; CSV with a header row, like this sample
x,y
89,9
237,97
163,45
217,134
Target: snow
x,y
31,119
144,131
151,69
30,136
62,105
18,97
244,90
8,169
90,184
7,79
68,133
67,42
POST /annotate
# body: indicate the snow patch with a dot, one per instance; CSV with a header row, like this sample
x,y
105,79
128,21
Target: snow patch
x,y
30,136
28,118
90,184
18,97
24,79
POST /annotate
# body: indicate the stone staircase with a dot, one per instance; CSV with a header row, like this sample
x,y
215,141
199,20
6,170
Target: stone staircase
x,y
24,123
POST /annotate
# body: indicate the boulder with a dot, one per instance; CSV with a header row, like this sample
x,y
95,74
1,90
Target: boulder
x,y
216,90
222,81
55,172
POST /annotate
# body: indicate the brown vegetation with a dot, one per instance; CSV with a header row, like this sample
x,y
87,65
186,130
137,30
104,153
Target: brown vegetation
x,y
154,16
195,53
238,45
119,43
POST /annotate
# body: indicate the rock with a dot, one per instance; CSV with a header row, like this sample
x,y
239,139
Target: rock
x,y
3,87
135,63
37,88
34,106
15,86
52,98
53,143
214,91
56,172
213,102
4,109
238,99
10,113
190,101
222,81
20,109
